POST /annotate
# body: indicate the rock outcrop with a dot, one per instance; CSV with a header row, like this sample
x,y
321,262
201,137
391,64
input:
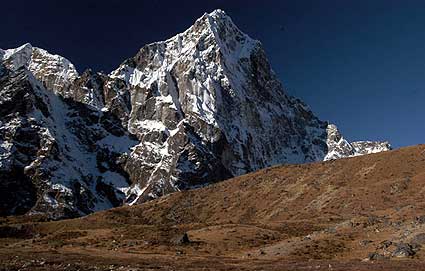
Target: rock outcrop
x,y
339,147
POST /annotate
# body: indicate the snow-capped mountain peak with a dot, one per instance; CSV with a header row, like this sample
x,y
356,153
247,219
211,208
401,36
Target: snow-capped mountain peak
x,y
230,39
55,72
17,57
194,109
213,83
339,147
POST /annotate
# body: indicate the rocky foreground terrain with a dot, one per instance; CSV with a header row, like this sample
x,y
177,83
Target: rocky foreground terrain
x,y
198,108
360,213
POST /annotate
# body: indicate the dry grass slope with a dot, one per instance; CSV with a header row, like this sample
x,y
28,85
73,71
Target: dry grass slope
x,y
361,213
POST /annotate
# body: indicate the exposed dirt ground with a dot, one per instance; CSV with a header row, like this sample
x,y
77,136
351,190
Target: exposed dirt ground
x,y
362,213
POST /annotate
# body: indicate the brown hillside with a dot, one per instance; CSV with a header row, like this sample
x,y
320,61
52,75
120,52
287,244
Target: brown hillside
x,y
362,213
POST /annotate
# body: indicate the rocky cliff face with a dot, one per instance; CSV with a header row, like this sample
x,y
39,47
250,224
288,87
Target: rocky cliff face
x,y
57,156
198,108
206,105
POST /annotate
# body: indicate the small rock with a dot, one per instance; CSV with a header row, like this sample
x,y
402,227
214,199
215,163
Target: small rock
x,y
403,250
181,239
374,256
385,244
308,237
364,243
420,219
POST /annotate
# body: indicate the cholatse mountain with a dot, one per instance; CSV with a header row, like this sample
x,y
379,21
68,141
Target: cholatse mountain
x,y
195,109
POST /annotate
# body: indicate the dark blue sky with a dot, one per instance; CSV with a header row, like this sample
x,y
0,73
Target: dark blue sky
x,y
357,63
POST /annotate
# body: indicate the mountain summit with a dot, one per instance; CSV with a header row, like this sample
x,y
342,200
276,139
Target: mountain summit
x,y
195,109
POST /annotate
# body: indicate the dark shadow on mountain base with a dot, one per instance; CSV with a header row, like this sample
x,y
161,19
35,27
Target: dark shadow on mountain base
x,y
17,192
